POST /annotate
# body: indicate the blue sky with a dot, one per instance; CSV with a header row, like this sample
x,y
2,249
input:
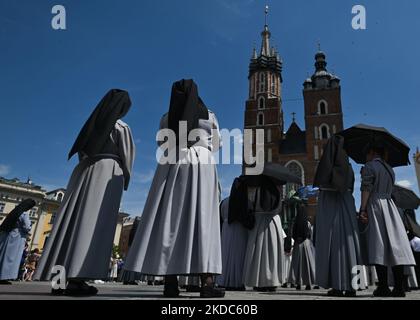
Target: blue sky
x,y
51,80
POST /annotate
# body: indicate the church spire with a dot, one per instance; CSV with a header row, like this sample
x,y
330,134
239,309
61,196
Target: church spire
x,y
266,35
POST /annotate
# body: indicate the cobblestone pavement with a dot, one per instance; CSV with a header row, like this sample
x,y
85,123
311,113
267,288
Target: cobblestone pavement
x,y
116,291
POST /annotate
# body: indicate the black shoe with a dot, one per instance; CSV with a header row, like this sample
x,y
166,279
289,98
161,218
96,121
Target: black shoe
x,y
335,293
350,294
317,288
308,288
382,292
5,282
211,292
58,292
398,293
284,286
298,287
271,289
171,291
191,288
80,289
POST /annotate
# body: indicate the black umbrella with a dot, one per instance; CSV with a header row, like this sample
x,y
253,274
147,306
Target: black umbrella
x,y
360,137
405,198
280,173
12,218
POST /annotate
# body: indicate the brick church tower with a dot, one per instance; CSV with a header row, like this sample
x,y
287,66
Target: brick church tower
x,y
264,105
299,150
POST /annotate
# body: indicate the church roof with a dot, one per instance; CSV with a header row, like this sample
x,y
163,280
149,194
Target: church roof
x,y
294,141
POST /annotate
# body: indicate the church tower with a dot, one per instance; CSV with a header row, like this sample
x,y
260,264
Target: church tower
x,y
323,112
264,105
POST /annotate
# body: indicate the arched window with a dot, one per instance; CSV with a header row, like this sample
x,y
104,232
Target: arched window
x,y
297,169
324,132
322,107
261,103
60,196
260,120
262,82
273,84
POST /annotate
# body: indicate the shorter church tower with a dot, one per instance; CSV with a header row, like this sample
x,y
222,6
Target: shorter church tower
x,y
323,112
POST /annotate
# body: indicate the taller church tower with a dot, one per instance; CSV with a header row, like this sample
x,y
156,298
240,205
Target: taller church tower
x,y
264,105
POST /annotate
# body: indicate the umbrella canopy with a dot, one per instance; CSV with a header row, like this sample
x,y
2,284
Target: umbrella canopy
x,y
360,137
280,173
405,198
12,218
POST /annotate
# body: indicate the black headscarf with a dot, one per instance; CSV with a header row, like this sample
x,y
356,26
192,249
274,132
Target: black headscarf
x,y
301,230
186,105
269,194
334,169
12,218
240,208
95,133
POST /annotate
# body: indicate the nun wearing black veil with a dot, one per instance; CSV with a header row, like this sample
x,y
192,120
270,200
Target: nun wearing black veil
x,y
82,236
237,216
179,233
337,236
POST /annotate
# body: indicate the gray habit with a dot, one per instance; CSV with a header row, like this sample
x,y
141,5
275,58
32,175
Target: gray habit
x,y
12,245
179,233
265,249
386,238
234,244
337,240
302,269
82,236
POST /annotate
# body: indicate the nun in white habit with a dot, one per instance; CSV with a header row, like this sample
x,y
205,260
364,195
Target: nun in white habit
x,y
265,249
83,232
237,220
179,233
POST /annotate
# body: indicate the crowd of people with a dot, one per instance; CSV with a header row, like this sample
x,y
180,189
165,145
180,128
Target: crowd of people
x,y
188,237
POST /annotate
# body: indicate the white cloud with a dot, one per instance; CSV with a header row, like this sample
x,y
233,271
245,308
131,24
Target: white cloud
x,y
4,170
405,183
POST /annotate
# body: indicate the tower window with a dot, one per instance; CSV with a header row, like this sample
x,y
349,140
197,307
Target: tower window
x,y
324,132
260,121
273,84
322,107
261,103
269,138
316,152
297,169
270,155
262,82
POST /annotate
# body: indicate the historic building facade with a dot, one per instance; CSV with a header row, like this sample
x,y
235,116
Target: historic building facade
x,y
14,191
296,148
